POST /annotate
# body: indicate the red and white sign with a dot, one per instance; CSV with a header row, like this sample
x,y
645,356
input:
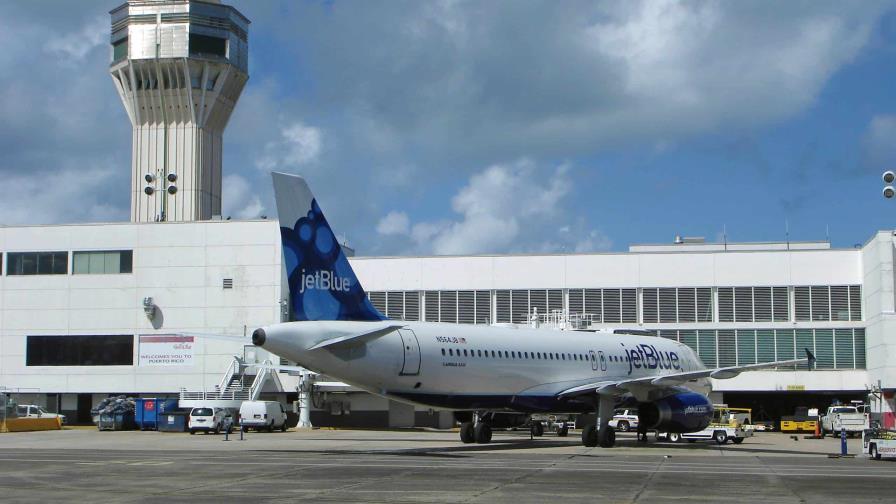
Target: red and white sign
x,y
166,350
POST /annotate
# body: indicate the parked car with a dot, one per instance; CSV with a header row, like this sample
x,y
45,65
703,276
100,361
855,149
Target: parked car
x,y
262,415
207,419
33,411
624,420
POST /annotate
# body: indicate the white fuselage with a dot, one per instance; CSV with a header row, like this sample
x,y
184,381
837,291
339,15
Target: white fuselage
x,y
479,367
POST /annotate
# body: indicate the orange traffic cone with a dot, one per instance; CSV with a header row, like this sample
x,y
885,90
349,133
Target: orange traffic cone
x,y
817,429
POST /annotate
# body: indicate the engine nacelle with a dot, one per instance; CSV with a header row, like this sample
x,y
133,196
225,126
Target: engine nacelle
x,y
684,412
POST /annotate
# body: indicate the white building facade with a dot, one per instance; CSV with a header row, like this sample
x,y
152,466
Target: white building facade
x,y
91,310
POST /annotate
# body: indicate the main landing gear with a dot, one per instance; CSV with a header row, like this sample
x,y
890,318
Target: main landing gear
x,y
478,431
601,434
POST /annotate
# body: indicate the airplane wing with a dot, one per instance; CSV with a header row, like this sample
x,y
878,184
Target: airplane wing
x,y
721,373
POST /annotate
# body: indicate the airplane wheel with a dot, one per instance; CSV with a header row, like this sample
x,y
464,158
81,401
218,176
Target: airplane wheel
x,y
589,436
607,437
721,437
623,426
482,433
466,432
537,429
674,437
563,431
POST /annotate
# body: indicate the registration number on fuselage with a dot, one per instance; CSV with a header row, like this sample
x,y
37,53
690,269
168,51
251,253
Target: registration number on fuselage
x,y
451,339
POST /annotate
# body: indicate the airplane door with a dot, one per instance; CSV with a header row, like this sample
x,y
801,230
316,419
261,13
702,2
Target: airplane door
x,y
593,360
411,349
602,359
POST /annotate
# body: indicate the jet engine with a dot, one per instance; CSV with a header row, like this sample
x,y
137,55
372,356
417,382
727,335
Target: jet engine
x,y
682,412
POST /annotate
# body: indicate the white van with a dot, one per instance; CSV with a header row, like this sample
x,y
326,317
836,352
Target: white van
x,y
258,415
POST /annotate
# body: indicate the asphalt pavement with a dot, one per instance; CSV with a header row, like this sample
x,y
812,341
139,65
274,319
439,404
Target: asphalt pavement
x,y
418,466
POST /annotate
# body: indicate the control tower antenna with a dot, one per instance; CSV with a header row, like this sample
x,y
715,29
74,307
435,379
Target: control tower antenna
x,y
179,67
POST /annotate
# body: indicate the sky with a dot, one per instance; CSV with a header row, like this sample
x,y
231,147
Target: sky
x,y
469,127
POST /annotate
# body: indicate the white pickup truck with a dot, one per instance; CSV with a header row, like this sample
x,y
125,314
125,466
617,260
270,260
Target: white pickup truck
x,y
33,411
847,418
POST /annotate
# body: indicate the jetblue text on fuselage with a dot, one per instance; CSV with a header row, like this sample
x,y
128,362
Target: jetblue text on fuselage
x,y
323,280
648,357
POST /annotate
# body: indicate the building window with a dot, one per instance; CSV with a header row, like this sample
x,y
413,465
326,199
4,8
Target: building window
x,y
397,305
822,303
120,50
102,262
37,263
203,45
112,350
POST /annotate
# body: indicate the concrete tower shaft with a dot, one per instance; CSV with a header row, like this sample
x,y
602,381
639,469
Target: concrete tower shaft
x,y
179,67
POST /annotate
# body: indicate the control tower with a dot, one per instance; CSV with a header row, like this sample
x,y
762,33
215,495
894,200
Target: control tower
x,y
179,67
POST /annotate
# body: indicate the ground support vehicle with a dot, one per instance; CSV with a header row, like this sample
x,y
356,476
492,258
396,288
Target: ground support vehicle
x,y
879,443
720,433
725,426
802,420
560,424
846,418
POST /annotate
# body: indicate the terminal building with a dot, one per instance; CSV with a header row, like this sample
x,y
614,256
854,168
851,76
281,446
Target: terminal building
x,y
91,310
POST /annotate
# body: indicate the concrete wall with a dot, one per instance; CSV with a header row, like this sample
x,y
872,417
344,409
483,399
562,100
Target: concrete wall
x,y
180,265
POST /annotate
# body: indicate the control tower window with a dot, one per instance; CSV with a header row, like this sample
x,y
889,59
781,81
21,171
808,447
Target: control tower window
x,y
120,50
203,45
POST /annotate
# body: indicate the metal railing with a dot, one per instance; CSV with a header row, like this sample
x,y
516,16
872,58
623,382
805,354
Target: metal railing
x,y
226,392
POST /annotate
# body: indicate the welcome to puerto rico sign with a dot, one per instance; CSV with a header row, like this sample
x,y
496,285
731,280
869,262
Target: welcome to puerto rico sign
x,y
166,350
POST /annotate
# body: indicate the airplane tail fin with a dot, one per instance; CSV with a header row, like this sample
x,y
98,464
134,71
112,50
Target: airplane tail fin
x,y
322,284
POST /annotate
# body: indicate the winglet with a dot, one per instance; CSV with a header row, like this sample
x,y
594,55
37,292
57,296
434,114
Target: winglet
x,y
811,357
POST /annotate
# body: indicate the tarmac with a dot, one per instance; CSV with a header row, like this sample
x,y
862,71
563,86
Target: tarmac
x,y
428,466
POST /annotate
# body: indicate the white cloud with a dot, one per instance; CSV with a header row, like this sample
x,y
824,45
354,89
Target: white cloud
x,y
299,145
239,200
76,45
59,196
394,223
879,143
505,207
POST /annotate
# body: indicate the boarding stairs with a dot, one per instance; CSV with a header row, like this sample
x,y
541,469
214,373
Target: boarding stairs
x,y
240,382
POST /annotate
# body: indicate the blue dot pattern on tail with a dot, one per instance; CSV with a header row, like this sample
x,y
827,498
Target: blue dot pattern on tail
x,y
322,284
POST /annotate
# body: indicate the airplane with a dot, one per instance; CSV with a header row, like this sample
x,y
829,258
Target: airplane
x,y
483,370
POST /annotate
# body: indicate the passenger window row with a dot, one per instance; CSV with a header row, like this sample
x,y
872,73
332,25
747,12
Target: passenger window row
x,y
511,354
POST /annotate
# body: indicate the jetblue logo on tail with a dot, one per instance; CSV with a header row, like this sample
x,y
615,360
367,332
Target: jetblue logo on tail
x,y
322,285
324,280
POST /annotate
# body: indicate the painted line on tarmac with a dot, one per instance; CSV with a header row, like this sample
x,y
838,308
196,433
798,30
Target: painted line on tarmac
x,y
781,472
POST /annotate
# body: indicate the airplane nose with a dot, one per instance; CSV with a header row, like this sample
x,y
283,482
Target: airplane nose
x,y
258,337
